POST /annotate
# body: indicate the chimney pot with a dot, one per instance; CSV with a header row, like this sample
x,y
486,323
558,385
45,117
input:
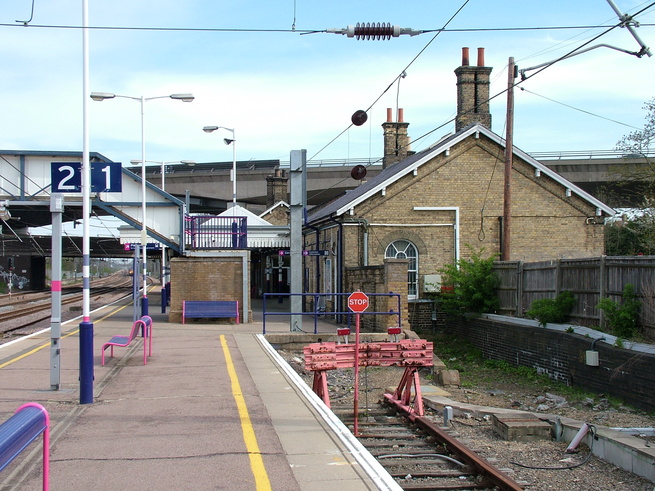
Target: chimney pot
x,y
389,115
465,57
480,56
401,115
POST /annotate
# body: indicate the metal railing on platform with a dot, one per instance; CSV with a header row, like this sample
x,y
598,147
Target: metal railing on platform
x,y
318,307
215,232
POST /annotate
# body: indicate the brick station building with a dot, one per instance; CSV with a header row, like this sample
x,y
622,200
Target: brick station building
x,y
395,231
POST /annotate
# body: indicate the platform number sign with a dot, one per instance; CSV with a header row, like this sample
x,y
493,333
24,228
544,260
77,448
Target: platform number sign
x,y
67,177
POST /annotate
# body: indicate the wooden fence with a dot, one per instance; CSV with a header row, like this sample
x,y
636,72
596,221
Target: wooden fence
x,y
589,280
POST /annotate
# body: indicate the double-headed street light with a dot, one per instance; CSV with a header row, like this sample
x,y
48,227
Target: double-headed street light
x,y
101,96
163,167
233,141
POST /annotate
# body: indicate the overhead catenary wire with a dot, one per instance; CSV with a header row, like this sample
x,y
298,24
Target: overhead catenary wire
x,y
444,29
519,82
578,109
293,30
541,69
395,79
580,49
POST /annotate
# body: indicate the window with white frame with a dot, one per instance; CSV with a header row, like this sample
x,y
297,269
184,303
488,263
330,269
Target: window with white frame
x,y
404,249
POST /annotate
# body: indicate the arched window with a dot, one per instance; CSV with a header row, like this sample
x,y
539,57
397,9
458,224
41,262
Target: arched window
x,y
404,249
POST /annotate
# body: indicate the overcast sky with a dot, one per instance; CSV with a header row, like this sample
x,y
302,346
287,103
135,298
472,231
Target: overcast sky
x,y
283,90
260,68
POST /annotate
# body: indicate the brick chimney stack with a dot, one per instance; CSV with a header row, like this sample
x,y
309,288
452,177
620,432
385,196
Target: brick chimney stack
x,y
472,92
396,139
276,188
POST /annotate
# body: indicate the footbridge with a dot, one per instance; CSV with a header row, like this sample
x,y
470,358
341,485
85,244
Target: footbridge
x,y
26,187
208,188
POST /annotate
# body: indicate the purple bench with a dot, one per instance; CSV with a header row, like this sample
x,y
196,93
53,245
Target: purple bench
x,y
144,324
210,309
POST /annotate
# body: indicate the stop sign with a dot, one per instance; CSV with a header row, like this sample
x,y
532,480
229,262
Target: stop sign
x,y
358,302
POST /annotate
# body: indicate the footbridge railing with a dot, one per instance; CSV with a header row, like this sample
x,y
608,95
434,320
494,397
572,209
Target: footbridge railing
x,y
215,232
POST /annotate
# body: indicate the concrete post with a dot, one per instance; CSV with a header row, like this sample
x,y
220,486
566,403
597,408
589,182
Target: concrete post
x,y
298,171
57,210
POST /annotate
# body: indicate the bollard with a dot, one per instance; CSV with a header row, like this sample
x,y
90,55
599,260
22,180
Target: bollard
x,y
164,300
86,362
447,416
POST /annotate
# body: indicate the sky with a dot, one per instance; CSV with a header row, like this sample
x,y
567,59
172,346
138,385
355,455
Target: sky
x,y
260,68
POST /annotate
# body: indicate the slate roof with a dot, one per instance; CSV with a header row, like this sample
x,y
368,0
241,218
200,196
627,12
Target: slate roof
x,y
393,173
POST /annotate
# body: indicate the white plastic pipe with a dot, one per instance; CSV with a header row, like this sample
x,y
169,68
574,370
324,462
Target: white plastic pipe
x,y
584,429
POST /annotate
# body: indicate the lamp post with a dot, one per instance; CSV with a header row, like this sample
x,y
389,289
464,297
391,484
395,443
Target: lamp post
x,y
86,326
163,167
210,129
164,273
101,96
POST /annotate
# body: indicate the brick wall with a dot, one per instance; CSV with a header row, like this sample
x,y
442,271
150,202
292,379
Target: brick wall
x,y
624,374
466,182
472,96
276,188
206,278
278,215
546,223
396,143
391,277
424,315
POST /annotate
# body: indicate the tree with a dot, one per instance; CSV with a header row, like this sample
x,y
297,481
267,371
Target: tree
x,y
470,285
622,318
631,235
635,233
640,143
552,310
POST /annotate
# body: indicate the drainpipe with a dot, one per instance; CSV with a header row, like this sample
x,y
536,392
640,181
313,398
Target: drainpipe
x,y
456,226
339,265
365,223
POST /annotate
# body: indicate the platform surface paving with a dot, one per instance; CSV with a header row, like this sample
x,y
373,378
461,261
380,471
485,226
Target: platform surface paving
x,y
210,410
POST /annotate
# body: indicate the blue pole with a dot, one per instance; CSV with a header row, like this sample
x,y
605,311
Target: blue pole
x,y
144,303
264,315
86,362
164,300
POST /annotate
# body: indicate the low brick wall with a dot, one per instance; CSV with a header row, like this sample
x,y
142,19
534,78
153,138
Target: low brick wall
x,y
625,374
206,278
425,315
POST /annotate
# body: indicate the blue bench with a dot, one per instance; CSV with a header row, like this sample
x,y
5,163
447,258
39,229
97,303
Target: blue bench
x,y
144,324
210,309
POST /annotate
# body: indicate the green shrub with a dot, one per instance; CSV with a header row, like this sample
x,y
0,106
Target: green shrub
x,y
623,318
470,286
549,310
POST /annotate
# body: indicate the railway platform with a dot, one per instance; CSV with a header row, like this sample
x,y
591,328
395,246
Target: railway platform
x,y
211,409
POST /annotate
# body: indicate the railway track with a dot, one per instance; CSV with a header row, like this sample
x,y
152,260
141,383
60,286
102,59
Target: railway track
x,y
419,454
415,451
33,308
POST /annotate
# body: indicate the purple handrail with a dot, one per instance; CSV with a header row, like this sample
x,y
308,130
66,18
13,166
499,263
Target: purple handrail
x,y
316,312
27,423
